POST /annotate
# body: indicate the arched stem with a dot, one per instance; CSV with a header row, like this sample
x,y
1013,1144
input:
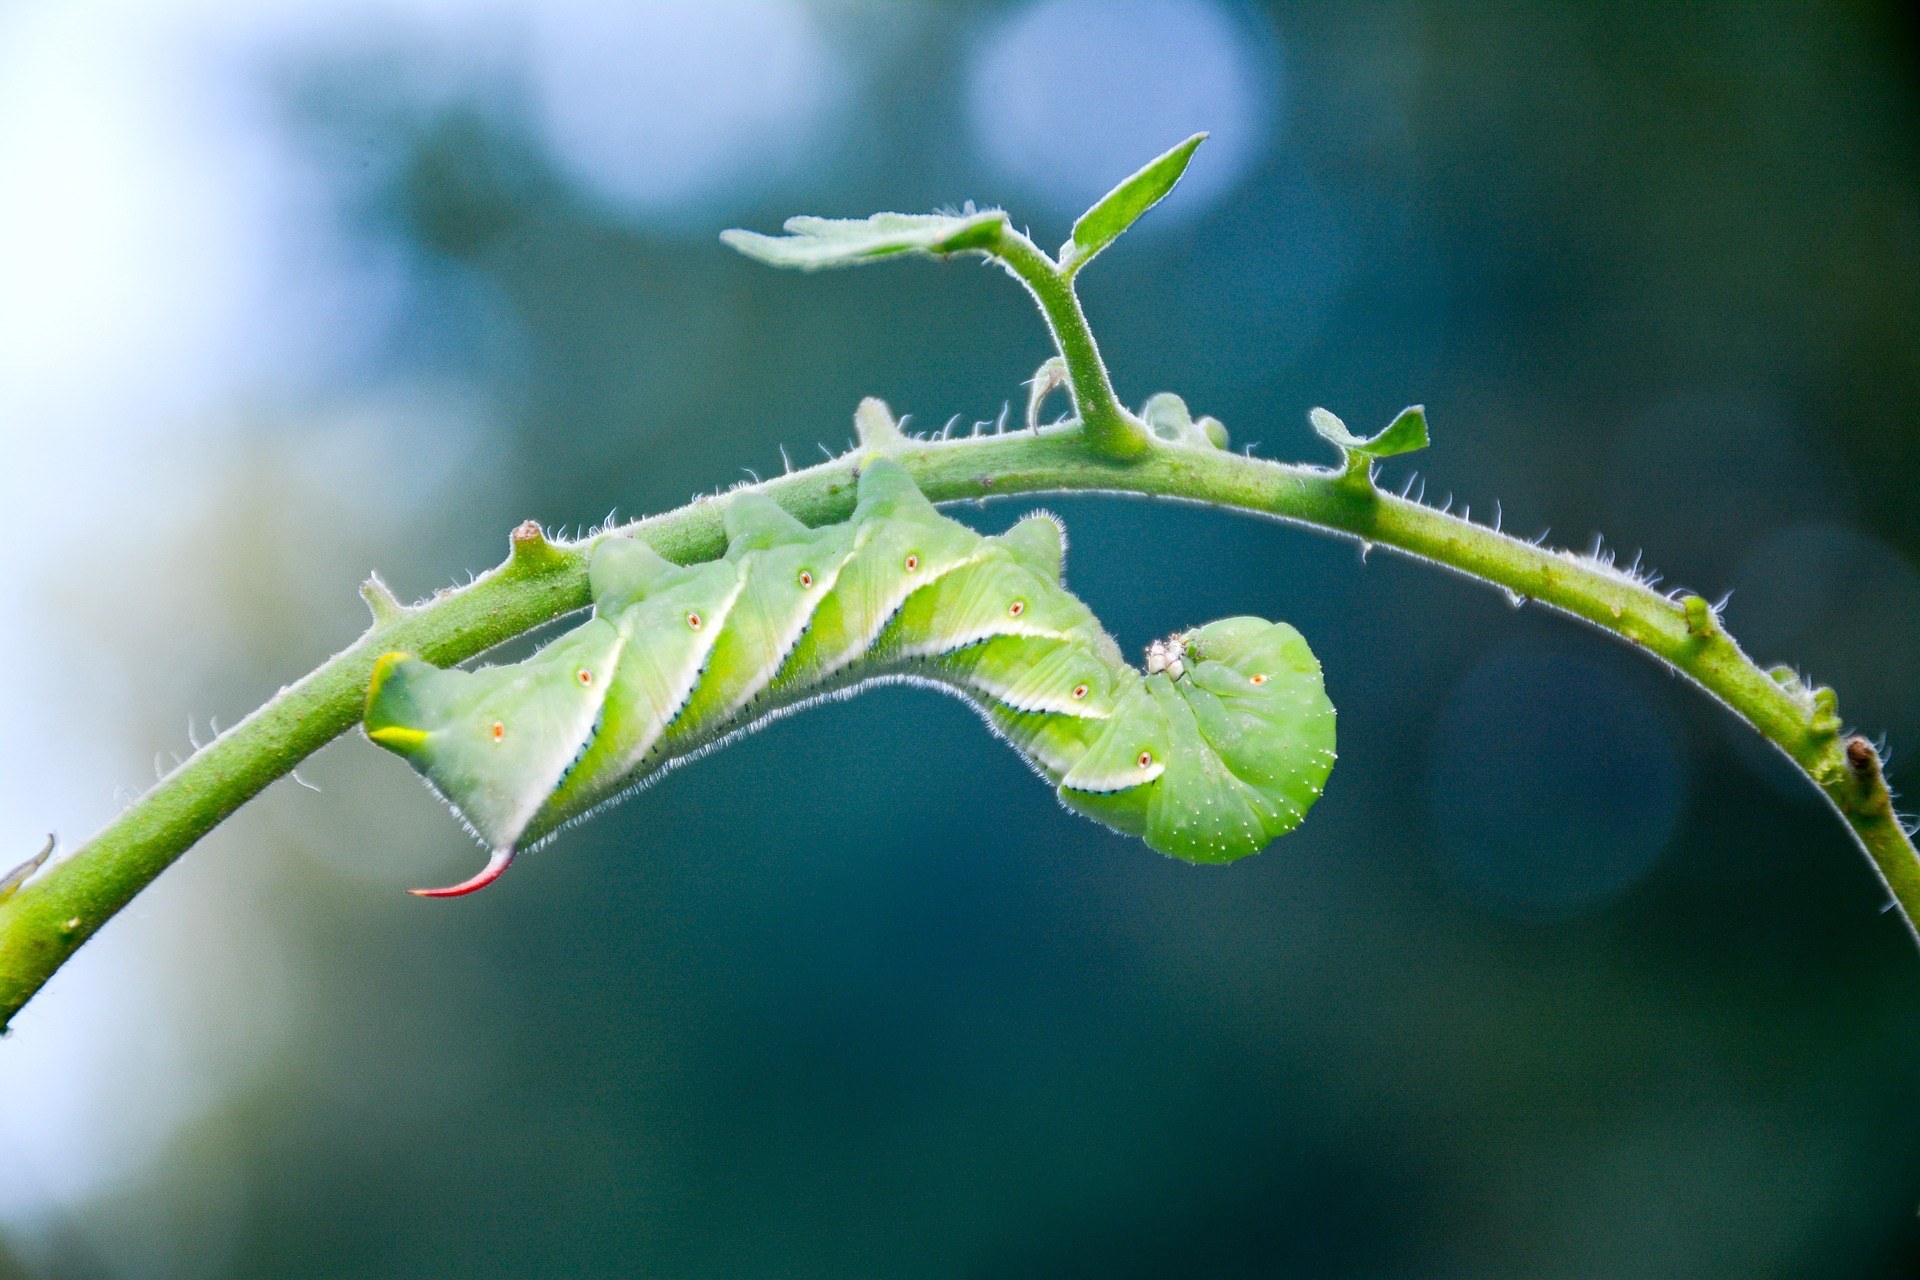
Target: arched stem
x,y
44,921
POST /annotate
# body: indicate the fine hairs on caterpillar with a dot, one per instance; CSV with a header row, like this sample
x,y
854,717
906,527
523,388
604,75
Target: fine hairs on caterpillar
x,y
1222,744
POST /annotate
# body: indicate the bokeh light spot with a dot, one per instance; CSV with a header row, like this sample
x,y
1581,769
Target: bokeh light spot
x,y
1553,784
1067,97
678,109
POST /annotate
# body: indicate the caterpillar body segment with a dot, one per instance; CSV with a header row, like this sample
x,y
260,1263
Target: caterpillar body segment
x,y
1223,747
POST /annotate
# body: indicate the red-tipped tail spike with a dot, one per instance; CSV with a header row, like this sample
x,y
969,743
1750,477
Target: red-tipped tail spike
x,y
500,861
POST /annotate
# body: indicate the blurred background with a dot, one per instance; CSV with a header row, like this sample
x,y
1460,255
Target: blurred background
x,y
1566,976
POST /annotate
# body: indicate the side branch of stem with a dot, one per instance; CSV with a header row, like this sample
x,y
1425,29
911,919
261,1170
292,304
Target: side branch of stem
x,y
1110,431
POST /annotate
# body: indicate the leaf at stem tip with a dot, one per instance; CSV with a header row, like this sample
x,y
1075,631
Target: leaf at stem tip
x,y
1404,434
814,243
1117,210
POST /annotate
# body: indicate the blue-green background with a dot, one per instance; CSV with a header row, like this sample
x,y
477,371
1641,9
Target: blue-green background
x,y
1565,977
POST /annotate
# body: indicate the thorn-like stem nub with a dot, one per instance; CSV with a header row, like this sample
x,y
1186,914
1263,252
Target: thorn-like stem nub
x,y
19,875
530,550
1864,768
1700,621
1047,379
1826,713
386,606
874,424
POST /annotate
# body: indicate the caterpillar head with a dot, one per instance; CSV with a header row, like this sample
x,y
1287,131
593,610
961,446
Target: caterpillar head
x,y
1216,752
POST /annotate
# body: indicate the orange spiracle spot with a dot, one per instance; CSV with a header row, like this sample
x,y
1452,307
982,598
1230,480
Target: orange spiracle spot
x,y
806,579
913,561
1017,608
584,676
694,620
1258,679
1079,691
499,731
1146,758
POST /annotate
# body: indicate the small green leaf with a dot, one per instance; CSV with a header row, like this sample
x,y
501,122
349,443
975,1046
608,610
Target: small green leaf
x,y
1117,210
813,243
1405,434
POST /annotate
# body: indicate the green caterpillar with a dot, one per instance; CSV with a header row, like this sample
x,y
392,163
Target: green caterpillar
x,y
1223,744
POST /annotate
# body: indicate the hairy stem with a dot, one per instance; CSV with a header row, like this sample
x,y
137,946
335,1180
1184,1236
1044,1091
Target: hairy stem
x,y
44,922
1111,431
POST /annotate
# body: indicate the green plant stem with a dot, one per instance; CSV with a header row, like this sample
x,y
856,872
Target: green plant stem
x,y
59,908
1111,431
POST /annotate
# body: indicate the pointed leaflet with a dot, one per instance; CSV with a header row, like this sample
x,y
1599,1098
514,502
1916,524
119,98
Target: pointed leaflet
x,y
1117,210
1404,434
813,243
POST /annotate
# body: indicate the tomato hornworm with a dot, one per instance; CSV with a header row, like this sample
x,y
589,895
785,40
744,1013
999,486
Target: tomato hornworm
x,y
1222,744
